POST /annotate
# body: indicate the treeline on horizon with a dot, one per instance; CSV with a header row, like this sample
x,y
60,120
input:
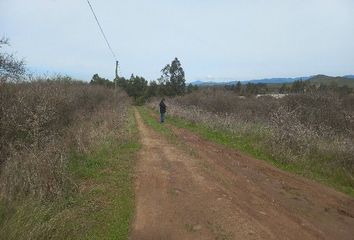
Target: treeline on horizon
x,y
298,86
171,83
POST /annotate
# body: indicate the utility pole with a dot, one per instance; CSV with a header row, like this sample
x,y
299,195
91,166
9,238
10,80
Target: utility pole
x,y
116,79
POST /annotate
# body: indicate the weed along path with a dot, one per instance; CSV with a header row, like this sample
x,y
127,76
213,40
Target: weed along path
x,y
190,188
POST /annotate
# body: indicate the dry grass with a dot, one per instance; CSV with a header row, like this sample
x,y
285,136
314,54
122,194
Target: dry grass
x,y
42,122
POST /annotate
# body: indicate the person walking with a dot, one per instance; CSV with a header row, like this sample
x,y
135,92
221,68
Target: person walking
x,y
162,110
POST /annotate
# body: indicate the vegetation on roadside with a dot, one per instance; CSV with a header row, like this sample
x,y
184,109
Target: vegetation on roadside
x,y
101,208
310,134
100,205
67,156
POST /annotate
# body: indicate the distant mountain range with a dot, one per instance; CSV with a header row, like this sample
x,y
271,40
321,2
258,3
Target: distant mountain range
x,y
345,80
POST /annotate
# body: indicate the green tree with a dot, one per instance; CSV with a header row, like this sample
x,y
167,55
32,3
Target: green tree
x,y
298,86
238,87
97,80
137,87
121,82
153,89
173,78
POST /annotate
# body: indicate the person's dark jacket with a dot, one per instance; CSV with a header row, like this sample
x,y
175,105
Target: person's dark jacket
x,y
162,107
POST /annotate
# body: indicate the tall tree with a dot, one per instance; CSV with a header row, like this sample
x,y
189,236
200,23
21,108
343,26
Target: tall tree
x,y
173,78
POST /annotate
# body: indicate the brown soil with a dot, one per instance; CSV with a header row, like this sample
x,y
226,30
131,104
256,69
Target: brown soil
x,y
200,190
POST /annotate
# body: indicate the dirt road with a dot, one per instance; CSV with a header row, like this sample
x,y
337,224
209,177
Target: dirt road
x,y
201,190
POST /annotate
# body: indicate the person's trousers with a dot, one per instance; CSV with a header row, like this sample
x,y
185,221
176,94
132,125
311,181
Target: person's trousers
x,y
162,117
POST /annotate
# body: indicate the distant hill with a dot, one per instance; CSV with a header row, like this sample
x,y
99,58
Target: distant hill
x,y
340,81
276,80
208,83
264,80
346,80
349,76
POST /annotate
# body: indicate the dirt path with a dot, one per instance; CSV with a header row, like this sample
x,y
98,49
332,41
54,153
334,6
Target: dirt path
x,y
201,190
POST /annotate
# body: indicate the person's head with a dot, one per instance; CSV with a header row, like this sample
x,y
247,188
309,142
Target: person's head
x,y
163,99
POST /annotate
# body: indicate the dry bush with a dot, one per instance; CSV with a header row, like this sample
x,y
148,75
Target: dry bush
x,y
219,101
224,121
41,121
314,127
290,139
323,112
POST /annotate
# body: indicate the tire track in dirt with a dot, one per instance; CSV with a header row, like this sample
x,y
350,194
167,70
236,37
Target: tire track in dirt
x,y
219,193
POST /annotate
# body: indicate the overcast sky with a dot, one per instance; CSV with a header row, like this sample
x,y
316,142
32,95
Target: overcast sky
x,y
214,39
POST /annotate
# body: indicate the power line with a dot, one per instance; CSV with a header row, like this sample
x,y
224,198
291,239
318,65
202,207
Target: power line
x,y
104,35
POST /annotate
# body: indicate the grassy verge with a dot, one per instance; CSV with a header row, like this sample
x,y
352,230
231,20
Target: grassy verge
x,y
152,121
336,178
102,206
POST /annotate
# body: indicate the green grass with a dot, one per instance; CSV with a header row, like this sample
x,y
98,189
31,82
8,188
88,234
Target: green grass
x,y
102,207
152,121
251,144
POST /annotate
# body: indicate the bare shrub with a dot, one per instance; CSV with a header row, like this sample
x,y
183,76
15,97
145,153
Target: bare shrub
x,y
290,139
314,127
41,121
321,112
219,101
10,67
